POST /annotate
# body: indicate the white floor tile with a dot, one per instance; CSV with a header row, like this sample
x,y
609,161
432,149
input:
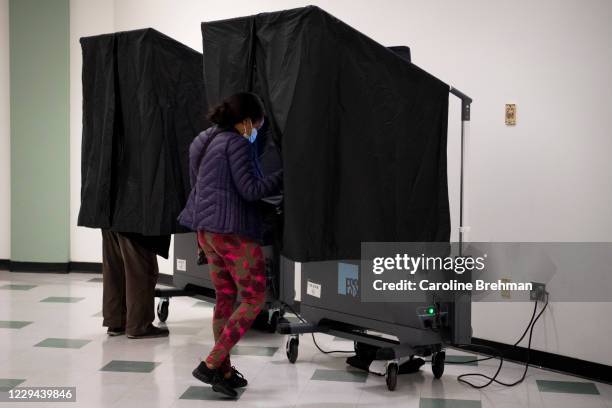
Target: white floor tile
x,y
273,381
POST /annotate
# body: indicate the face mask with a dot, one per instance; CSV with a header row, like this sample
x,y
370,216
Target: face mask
x,y
253,135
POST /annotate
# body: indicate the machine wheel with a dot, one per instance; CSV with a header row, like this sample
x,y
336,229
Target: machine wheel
x,y
391,377
437,363
162,309
292,349
274,321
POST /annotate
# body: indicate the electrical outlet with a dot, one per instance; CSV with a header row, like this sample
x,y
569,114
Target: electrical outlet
x,y
538,292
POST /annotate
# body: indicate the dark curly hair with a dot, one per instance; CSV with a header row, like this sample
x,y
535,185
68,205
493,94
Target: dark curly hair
x,y
236,108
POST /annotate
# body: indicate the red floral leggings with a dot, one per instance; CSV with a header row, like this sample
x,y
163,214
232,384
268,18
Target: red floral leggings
x,y
237,267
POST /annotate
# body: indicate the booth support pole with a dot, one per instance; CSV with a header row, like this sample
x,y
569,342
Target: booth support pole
x,y
466,103
462,306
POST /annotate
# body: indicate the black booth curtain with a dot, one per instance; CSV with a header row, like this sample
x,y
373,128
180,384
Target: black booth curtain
x,y
143,103
362,131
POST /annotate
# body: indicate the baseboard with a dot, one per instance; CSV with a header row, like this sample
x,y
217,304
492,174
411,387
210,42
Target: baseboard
x,y
85,267
39,267
568,365
54,267
4,264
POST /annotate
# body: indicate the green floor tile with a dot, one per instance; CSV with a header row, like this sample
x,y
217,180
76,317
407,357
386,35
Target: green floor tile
x,y
448,403
17,287
462,360
339,375
13,324
63,343
207,394
7,384
568,387
62,299
253,351
123,366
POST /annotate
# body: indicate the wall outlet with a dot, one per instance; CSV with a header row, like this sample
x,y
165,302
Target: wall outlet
x,y
538,292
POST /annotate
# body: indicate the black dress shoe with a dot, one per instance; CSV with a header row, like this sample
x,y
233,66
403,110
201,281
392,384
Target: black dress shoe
x,y
215,378
151,333
115,331
237,380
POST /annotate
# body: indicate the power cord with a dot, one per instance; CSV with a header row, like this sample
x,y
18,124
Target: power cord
x,y
331,351
494,379
533,315
314,340
313,336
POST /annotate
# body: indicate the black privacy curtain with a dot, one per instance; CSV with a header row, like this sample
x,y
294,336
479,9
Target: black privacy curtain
x,y
362,131
143,103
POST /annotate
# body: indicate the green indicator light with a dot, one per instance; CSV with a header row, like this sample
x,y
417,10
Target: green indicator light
x,y
431,311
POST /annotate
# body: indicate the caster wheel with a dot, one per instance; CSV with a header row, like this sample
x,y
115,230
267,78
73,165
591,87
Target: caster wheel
x,y
292,349
274,322
437,363
162,309
391,377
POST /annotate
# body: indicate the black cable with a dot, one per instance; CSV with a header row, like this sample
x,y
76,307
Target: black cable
x,y
535,307
494,379
313,336
331,351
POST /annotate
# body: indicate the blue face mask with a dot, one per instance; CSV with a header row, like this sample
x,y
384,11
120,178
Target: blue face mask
x,y
253,135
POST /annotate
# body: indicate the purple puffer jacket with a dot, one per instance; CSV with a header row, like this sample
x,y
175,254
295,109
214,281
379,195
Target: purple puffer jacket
x,y
225,186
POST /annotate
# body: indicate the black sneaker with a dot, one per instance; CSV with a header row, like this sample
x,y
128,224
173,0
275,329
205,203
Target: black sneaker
x,y
203,373
152,332
115,331
215,378
237,380
221,385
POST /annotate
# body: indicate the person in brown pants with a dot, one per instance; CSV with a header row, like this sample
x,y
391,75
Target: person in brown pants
x,y
129,274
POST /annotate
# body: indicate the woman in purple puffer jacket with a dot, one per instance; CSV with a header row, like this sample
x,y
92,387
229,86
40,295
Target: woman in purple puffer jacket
x,y
226,185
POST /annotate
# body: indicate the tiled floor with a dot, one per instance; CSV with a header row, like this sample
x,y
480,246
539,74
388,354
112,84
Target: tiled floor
x,y
51,335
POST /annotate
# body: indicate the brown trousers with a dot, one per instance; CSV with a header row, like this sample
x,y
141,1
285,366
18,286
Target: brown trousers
x,y
129,274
